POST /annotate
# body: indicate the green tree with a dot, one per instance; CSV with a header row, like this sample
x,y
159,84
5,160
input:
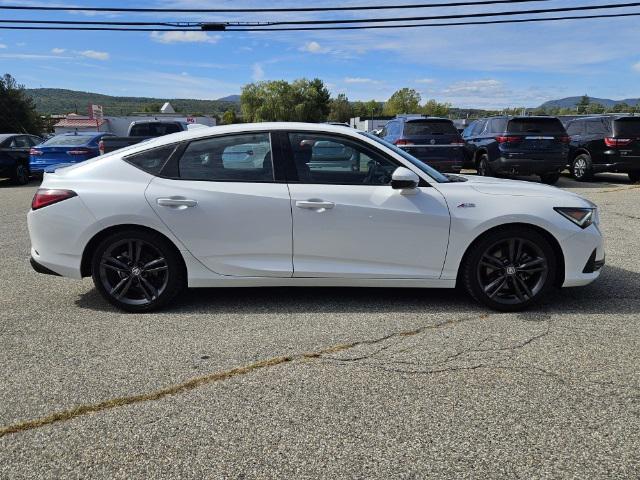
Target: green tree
x,y
152,108
405,100
18,110
229,117
595,108
367,109
583,104
621,107
435,109
303,101
340,109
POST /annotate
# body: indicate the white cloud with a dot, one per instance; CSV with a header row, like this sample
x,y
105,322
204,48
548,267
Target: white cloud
x,y
258,72
426,81
314,47
95,55
184,37
636,66
2,45
58,51
475,87
353,80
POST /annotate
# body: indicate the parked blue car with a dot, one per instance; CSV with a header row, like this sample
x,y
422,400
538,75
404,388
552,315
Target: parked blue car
x,y
67,148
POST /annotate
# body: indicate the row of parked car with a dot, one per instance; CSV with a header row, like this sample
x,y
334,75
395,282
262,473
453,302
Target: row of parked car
x,y
507,145
494,146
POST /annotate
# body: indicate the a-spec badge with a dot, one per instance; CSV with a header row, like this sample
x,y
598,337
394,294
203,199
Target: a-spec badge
x,y
467,205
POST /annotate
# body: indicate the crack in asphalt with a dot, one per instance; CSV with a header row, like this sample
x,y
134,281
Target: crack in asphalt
x,y
196,382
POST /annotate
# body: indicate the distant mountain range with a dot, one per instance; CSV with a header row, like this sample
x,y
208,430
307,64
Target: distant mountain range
x,y
571,102
58,101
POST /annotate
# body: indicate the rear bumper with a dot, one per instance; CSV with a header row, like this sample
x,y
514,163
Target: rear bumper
x,y
41,268
615,162
517,164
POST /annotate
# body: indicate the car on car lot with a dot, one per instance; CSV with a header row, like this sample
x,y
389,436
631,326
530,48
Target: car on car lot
x,y
608,143
507,145
63,149
435,141
14,156
147,221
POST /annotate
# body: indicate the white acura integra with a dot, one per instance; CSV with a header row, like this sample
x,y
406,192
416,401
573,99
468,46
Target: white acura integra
x,y
287,204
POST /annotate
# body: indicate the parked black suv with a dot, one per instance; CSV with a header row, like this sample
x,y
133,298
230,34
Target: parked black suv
x,y
609,143
518,146
435,141
14,155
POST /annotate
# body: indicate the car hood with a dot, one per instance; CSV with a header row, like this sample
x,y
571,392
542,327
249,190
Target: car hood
x,y
520,188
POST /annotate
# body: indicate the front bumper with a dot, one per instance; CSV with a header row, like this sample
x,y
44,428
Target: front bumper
x,y
584,257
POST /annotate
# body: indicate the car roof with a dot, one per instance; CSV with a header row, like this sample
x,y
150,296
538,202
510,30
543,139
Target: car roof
x,y
4,136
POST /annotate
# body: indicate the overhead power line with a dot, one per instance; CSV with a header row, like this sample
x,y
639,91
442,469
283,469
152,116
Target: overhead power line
x,y
262,10
357,27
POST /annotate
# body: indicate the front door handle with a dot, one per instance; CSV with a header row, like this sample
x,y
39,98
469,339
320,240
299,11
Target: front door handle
x,y
176,202
315,204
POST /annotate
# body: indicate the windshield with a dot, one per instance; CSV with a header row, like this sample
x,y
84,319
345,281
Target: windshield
x,y
436,175
68,140
627,127
429,127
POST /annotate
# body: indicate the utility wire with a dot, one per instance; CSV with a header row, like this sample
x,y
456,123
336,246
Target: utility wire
x,y
358,27
262,10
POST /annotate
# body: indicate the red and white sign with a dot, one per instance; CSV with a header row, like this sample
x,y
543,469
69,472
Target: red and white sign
x,y
95,112
191,119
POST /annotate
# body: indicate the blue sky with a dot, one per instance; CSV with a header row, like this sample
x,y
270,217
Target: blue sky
x,y
477,66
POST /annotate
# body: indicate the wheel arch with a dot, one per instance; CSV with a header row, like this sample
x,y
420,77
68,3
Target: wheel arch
x,y
579,151
555,245
89,249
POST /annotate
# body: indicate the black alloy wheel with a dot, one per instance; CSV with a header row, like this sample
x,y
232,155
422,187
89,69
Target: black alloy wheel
x,y
137,271
511,269
484,170
21,174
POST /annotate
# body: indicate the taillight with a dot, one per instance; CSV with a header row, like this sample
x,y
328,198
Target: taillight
x,y
564,139
617,142
402,141
458,141
35,151
101,147
79,151
49,196
508,139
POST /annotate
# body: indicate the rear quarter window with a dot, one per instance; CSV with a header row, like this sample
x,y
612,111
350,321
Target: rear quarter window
x,y
429,127
151,161
551,126
627,127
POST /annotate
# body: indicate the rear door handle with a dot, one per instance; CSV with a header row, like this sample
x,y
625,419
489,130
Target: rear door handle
x,y
315,204
176,202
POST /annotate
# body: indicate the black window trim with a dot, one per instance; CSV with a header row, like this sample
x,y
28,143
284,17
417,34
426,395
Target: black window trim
x,y
293,171
171,171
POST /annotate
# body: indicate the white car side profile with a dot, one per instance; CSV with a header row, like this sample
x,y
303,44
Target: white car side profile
x,y
293,204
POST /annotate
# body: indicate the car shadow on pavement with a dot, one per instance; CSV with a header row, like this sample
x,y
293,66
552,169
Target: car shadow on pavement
x,y
616,291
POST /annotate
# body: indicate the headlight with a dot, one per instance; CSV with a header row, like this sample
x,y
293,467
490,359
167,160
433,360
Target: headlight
x,y
582,217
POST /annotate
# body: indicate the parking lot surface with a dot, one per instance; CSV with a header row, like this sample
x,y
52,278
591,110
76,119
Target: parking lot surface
x,y
322,383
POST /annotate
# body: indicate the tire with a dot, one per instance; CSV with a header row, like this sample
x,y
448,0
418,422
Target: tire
x,y
493,272
634,177
20,174
137,270
550,178
484,169
582,168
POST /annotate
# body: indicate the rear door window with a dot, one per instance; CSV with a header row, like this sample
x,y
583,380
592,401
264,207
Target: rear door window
x,y
497,125
550,126
575,128
151,161
627,127
429,127
595,127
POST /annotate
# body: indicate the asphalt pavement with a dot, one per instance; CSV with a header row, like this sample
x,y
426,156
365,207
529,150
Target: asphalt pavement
x,y
322,383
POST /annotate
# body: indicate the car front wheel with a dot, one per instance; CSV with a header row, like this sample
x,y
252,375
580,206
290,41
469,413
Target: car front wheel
x,y
137,271
634,177
510,269
484,170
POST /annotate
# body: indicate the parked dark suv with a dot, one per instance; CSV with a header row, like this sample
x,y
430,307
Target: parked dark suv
x,y
518,146
14,156
435,141
608,143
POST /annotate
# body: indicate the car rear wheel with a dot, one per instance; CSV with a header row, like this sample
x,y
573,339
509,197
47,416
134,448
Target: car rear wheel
x,y
137,271
550,178
510,269
20,174
484,170
581,168
634,176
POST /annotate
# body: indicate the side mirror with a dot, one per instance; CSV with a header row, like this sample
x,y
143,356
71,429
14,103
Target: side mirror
x,y
404,179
